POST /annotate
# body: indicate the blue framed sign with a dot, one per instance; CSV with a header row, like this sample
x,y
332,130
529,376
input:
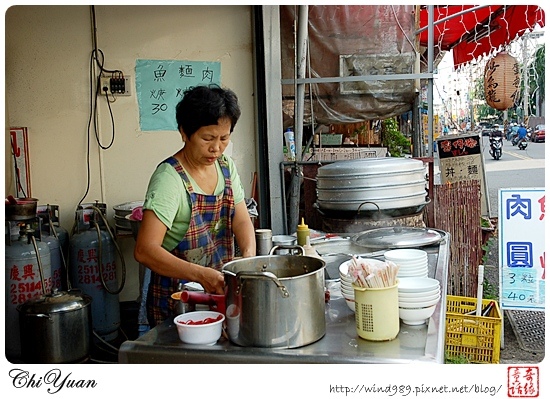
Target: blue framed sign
x,y
160,85
522,255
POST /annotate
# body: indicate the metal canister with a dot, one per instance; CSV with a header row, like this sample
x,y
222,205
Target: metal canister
x,y
264,241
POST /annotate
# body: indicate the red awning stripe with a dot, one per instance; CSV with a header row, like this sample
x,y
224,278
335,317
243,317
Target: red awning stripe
x,y
478,32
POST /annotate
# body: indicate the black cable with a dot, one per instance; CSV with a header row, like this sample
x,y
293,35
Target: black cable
x,y
88,136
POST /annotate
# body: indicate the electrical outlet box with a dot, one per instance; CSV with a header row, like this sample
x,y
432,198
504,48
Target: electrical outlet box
x,y
115,86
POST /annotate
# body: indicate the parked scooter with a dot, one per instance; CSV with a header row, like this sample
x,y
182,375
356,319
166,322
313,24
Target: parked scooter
x,y
495,147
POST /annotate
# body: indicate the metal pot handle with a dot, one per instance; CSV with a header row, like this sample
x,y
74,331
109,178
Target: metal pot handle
x,y
291,247
260,275
367,202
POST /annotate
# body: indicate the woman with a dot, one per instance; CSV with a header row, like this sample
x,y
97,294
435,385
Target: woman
x,y
194,204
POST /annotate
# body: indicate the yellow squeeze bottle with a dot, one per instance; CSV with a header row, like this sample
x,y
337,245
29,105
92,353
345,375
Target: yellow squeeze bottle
x,y
303,233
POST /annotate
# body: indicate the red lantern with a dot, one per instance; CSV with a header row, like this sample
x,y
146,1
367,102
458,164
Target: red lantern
x,y
501,82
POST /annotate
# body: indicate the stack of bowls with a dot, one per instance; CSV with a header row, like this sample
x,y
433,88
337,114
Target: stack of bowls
x,y
345,285
411,262
418,298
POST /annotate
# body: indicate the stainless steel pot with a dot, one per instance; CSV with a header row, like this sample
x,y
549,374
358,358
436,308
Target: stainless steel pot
x,y
275,301
56,328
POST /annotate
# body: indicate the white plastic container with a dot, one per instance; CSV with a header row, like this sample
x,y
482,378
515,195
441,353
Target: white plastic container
x,y
290,144
200,334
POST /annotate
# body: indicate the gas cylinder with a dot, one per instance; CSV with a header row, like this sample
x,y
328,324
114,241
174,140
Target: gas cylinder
x,y
92,264
57,239
24,280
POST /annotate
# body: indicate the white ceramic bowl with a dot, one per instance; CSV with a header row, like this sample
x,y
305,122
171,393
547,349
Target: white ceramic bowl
x,y
405,254
351,304
347,293
343,268
412,273
423,294
418,305
406,266
346,279
420,298
200,334
416,317
417,284
346,283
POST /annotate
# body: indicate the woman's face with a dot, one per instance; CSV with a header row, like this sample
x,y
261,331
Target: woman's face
x,y
208,143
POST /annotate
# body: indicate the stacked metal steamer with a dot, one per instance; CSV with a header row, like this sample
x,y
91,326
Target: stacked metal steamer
x,y
362,194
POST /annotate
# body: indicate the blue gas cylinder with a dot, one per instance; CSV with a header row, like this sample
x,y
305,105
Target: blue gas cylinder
x,y
92,251
57,239
23,282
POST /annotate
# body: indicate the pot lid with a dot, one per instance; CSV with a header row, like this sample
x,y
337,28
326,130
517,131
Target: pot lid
x,y
362,166
56,302
398,237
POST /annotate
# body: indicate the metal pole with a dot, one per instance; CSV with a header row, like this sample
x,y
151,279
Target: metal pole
x,y
430,81
525,82
296,175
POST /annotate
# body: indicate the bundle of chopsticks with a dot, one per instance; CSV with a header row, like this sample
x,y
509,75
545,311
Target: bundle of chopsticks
x,y
368,274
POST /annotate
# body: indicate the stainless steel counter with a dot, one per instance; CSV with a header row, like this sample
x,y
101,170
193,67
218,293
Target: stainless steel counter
x,y
341,344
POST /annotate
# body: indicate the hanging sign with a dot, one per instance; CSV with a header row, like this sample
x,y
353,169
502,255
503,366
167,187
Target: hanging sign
x,y
521,246
460,159
20,153
160,86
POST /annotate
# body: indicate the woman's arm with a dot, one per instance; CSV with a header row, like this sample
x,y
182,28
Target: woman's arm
x,y
149,252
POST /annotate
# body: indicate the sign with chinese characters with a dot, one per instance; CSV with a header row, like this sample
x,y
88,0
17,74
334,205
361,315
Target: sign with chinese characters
x,y
521,245
460,159
20,153
160,86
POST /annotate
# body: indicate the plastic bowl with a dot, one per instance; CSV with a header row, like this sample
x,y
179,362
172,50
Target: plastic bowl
x,y
416,317
199,334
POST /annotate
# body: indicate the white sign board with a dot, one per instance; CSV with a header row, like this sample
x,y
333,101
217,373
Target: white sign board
x,y
521,222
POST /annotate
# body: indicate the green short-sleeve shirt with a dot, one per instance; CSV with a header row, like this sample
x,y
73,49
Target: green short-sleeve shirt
x,y
167,197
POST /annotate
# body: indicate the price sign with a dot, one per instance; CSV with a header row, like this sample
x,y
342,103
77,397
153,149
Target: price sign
x,y
521,245
160,85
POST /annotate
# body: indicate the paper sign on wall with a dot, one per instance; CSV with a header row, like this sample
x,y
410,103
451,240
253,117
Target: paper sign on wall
x,y
521,246
160,85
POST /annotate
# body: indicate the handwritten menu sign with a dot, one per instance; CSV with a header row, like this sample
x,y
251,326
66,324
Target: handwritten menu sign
x,y
160,86
521,245
460,159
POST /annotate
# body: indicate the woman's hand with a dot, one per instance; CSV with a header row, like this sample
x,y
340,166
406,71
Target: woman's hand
x,y
212,281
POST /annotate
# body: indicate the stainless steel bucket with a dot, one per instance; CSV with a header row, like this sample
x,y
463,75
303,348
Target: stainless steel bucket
x,y
56,328
275,301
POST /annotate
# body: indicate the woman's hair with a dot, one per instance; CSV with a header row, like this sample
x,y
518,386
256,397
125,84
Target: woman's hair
x,y
204,106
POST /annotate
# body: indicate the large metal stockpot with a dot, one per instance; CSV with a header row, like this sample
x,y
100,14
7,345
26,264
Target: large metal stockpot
x,y
56,328
275,301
